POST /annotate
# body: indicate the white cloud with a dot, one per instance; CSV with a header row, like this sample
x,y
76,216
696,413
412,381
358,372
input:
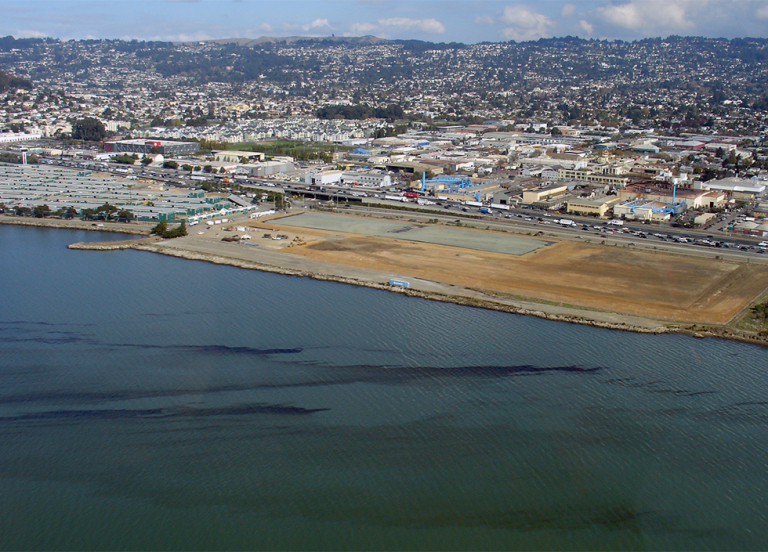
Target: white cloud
x,y
651,14
431,25
762,13
525,24
30,34
317,23
356,29
484,20
587,27
193,37
568,10
266,27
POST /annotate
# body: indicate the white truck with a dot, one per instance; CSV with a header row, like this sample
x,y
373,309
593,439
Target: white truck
x,y
616,222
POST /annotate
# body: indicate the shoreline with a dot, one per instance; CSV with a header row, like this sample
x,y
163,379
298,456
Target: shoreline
x,y
462,296
696,330
137,228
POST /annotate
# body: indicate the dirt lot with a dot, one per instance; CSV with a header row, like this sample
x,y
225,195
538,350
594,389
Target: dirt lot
x,y
618,279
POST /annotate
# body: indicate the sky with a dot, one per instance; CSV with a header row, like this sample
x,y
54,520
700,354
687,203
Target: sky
x,y
467,21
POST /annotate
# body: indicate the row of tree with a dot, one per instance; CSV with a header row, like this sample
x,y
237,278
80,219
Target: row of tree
x,y
103,212
360,111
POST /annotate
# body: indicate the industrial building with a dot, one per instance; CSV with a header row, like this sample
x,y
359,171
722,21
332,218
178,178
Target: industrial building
x,y
165,147
595,206
644,209
323,178
368,179
238,156
268,168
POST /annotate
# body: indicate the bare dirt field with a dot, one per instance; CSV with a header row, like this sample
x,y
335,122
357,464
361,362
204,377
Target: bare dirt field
x,y
617,279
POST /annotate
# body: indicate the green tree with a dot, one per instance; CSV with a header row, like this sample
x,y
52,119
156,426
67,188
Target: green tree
x,y
41,211
89,129
208,169
125,216
146,160
106,210
160,228
186,167
170,165
88,213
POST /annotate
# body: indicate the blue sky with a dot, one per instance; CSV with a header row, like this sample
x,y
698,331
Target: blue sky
x,y
468,21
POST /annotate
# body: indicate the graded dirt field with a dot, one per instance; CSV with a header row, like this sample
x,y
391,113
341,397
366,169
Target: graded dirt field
x,y
627,280
438,235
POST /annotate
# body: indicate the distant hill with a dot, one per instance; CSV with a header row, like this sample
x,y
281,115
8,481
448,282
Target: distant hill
x,y
250,42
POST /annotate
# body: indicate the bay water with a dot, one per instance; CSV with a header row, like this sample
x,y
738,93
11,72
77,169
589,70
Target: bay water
x,y
150,402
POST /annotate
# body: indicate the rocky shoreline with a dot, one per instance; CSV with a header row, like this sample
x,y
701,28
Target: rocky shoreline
x,y
75,225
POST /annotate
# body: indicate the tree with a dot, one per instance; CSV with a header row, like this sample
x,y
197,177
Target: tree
x,y
186,166
23,211
41,211
208,169
171,165
161,229
88,214
125,216
106,210
89,129
146,160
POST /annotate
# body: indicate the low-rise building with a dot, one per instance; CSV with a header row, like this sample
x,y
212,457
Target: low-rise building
x,y
369,179
595,206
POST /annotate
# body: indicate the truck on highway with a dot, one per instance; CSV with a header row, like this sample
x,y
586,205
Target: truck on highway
x,y
565,222
396,198
473,203
486,211
616,222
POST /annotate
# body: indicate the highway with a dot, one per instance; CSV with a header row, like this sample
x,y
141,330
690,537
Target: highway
x,y
660,236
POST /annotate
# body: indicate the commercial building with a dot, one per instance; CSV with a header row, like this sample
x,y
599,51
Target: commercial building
x,y
588,175
165,147
11,137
